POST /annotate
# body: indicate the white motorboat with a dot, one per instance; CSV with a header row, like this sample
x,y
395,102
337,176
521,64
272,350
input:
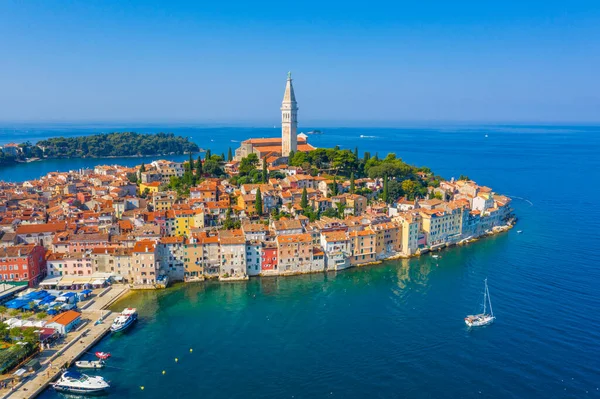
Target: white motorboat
x,y
89,364
482,319
124,320
519,231
74,382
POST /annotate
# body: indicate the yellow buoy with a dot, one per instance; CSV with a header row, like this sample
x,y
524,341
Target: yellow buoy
x,y
176,360
191,350
142,388
164,372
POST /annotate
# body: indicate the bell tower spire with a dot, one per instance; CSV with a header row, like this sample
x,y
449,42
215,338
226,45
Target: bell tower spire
x,y
289,119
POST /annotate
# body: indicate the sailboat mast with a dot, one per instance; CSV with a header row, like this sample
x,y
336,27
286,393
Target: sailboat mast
x,y
485,296
489,298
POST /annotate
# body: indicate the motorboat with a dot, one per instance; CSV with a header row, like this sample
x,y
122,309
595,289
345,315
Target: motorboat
x,y
102,355
519,231
74,382
482,319
124,320
89,364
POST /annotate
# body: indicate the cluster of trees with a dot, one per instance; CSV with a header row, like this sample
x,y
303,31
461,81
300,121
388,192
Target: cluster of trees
x,y
26,150
248,172
6,159
400,178
116,144
195,171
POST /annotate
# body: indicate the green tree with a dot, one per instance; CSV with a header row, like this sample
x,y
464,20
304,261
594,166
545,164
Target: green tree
x,y
367,156
330,212
3,311
258,205
229,155
291,156
132,177
410,188
199,171
228,223
248,164
394,190
356,152
352,183
265,172
142,168
341,208
212,166
207,154
463,177
334,187
304,199
386,194
41,315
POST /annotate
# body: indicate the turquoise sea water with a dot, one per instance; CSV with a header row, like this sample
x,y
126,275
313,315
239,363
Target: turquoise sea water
x,y
397,330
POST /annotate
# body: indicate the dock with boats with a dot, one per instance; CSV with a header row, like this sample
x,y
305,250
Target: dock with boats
x,y
84,340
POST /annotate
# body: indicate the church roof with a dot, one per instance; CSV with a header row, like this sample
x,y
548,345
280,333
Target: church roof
x,y
289,95
271,141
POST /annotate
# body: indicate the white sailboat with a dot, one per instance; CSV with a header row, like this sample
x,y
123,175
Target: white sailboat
x,y
482,319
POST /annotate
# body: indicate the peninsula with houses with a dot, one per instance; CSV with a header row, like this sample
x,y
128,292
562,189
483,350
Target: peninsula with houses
x,y
274,207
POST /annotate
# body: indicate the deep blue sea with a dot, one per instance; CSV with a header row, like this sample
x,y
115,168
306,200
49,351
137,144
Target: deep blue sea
x,y
394,330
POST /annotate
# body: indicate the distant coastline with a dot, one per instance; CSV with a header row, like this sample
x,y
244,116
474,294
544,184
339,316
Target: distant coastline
x,y
108,145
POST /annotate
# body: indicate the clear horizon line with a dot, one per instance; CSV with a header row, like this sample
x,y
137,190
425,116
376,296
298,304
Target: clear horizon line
x,y
308,124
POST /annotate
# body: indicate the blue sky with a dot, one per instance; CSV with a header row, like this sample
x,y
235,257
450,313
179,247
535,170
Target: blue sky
x,y
353,63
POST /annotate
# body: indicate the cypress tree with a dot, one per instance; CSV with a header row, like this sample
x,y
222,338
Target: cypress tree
x,y
385,188
376,157
199,167
229,155
142,168
352,183
356,152
191,163
258,207
367,156
265,172
223,156
334,187
207,155
304,200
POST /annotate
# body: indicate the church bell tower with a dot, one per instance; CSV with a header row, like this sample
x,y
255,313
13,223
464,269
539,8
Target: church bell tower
x,y
289,121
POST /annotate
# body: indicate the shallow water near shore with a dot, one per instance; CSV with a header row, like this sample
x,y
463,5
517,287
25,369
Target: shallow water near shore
x,y
396,329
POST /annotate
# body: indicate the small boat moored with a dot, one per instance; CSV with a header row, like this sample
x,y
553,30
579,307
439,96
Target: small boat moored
x,y
102,355
482,319
89,364
74,382
123,321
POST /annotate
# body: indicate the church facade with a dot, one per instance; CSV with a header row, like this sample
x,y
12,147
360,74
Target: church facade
x,y
274,150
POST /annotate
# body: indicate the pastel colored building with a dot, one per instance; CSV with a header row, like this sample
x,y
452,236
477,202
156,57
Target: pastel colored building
x,y
23,263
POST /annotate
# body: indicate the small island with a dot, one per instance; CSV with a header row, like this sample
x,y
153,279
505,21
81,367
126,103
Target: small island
x,y
117,144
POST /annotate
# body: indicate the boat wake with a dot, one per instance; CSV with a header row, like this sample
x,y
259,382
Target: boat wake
x,y
521,198
362,136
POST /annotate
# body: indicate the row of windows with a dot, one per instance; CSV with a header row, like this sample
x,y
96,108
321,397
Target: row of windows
x,y
14,267
12,276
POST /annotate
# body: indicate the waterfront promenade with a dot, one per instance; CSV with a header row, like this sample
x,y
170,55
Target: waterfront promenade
x,y
78,343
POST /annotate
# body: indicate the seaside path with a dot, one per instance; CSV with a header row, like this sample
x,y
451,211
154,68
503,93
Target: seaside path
x,y
86,337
